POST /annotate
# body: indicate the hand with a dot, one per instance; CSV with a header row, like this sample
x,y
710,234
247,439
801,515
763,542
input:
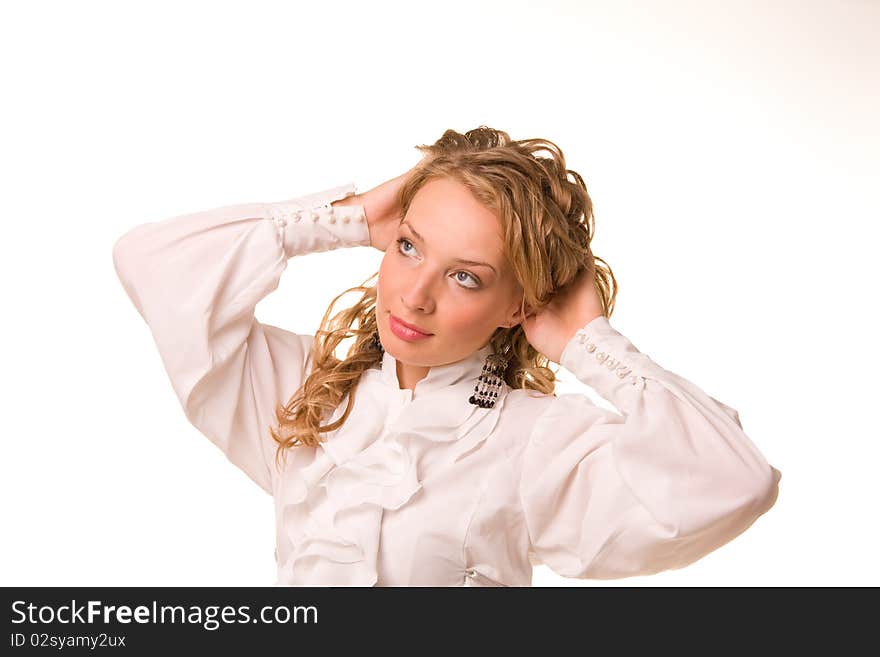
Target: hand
x,y
380,207
555,325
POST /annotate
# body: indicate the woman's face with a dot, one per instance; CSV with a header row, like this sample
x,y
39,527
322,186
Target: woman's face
x,y
424,282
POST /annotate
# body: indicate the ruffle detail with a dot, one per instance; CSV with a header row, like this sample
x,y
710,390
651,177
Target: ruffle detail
x,y
332,507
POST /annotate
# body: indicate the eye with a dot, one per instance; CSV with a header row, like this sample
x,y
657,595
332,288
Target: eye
x,y
470,276
402,242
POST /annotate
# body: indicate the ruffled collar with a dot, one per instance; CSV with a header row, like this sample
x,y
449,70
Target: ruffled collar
x,y
440,376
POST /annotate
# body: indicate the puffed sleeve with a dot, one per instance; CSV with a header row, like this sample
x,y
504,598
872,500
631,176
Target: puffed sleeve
x,y
671,479
196,278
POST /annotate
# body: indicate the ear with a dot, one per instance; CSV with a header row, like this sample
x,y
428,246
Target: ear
x,y
516,314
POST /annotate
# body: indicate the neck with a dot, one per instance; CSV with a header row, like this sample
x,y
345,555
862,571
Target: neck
x,y
409,375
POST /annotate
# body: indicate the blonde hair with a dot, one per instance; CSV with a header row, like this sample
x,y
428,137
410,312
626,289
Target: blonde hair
x,y
547,226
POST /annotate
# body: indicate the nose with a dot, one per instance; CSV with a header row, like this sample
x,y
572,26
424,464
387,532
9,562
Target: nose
x,y
419,296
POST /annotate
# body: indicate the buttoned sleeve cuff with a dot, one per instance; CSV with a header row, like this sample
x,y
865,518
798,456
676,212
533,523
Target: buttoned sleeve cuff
x,y
310,224
605,359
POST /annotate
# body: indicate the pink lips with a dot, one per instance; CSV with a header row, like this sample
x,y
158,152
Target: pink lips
x,y
406,331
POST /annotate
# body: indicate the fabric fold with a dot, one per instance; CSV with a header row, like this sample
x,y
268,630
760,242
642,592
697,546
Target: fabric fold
x,y
333,506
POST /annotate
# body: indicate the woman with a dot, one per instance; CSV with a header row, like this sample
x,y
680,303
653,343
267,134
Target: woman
x,y
435,453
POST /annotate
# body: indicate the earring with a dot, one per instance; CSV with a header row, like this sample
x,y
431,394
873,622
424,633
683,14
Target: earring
x,y
376,344
492,376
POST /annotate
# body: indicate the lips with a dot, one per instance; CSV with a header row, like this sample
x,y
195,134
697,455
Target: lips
x,y
411,326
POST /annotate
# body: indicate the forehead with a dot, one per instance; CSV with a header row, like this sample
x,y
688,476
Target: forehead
x,y
444,211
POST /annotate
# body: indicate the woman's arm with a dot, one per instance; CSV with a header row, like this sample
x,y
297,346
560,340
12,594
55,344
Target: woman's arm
x,y
669,480
196,278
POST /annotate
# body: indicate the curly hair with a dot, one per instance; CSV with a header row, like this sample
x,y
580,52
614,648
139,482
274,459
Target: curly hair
x,y
547,226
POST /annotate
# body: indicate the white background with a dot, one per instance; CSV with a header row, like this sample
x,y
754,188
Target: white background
x,y
730,148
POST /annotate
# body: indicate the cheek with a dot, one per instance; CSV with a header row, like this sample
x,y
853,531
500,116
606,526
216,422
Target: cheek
x,y
473,316
385,281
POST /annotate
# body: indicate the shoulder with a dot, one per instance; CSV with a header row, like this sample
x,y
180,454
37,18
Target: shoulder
x,y
522,410
537,413
520,400
540,404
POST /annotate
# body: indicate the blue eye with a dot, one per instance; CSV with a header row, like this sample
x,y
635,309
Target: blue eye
x,y
402,240
470,277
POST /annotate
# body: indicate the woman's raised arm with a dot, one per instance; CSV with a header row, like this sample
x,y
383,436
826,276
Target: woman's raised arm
x,y
657,487
196,278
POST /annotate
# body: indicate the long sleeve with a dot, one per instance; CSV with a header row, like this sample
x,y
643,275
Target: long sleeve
x,y
673,478
196,279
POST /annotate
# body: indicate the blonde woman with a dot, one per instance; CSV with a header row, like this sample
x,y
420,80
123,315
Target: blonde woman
x,y
435,452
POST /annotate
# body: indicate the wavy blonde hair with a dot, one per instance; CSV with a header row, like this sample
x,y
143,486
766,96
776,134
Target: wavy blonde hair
x,y
547,226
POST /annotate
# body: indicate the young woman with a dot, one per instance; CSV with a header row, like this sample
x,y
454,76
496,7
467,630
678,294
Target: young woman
x,y
435,452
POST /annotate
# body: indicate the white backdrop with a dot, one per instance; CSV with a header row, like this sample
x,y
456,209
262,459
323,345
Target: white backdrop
x,y
730,148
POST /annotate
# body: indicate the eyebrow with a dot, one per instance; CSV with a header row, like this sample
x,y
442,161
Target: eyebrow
x,y
473,263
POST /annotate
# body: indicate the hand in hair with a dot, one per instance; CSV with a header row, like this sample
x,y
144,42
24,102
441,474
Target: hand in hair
x,y
550,329
381,209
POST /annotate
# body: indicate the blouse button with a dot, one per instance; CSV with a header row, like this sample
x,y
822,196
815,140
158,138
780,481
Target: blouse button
x,y
600,356
359,216
332,219
591,348
345,219
280,222
298,215
314,216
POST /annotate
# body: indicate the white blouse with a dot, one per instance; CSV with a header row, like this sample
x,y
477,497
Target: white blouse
x,y
422,488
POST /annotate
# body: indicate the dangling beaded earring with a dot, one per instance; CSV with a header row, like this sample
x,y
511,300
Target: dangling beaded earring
x,y
492,376
376,344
